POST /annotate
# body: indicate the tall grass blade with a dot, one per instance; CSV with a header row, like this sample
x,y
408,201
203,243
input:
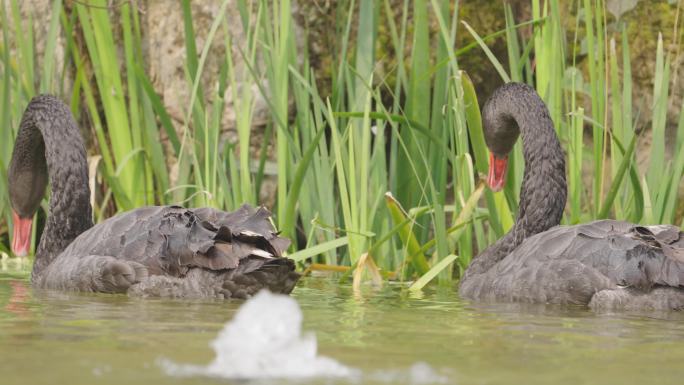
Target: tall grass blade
x,y
407,236
420,283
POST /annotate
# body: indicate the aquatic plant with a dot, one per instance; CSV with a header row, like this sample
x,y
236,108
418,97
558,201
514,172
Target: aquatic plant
x,y
412,129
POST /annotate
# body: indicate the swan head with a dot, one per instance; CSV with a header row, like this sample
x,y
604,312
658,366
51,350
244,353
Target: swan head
x,y
28,178
501,131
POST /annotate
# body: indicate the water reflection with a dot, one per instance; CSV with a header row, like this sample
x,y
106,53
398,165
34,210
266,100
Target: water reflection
x,y
110,339
17,299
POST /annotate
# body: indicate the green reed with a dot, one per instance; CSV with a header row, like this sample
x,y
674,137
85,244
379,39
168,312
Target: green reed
x,y
398,181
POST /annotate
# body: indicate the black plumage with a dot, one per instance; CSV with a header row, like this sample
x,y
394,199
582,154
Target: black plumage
x,y
151,251
603,264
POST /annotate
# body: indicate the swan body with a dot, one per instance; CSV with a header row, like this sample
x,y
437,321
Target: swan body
x,y
605,264
165,251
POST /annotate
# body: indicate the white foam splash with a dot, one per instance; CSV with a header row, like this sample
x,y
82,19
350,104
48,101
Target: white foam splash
x,y
265,341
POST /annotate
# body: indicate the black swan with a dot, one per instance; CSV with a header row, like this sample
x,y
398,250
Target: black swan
x,y
165,251
606,264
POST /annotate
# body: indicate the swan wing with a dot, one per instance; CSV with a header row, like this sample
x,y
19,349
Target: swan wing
x,y
629,255
170,240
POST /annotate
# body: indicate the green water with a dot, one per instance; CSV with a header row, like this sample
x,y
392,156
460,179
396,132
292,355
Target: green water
x,y
70,338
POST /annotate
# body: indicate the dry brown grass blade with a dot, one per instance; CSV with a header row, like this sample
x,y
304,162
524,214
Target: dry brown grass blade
x,y
366,263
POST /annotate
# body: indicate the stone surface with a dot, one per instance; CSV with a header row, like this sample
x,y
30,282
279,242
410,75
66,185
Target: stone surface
x,y
166,56
40,11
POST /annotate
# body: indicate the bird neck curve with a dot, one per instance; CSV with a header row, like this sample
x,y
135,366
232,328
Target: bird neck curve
x,y
49,141
543,192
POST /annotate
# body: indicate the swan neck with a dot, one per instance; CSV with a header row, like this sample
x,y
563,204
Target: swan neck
x,y
49,124
543,192
516,110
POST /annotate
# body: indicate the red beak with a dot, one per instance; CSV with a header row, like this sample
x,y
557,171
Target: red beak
x,y
497,172
21,239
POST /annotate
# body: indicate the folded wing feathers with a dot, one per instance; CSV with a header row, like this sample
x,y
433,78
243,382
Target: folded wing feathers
x,y
631,256
218,240
663,237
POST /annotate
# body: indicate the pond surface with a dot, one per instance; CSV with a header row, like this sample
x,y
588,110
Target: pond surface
x,y
71,338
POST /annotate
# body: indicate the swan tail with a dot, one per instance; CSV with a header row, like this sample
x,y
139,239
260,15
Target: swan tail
x,y
276,275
